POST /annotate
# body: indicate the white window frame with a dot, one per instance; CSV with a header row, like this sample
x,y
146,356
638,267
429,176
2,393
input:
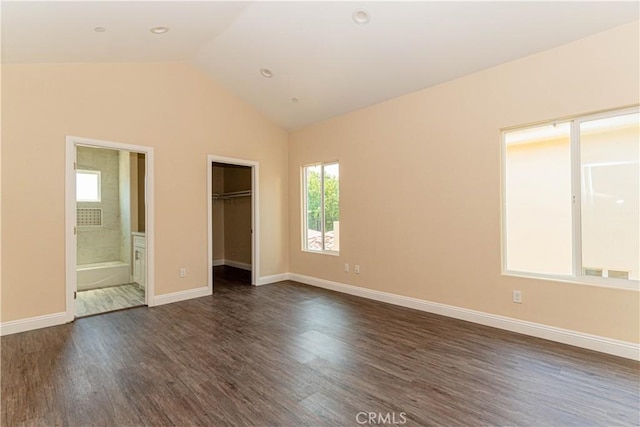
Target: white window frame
x,y
88,172
577,275
303,180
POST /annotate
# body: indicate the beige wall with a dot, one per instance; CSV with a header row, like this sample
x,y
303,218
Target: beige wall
x,y
420,185
140,203
126,209
237,216
420,177
1,187
237,179
131,202
217,176
171,107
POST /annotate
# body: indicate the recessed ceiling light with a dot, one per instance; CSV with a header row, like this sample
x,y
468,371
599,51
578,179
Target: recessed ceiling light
x,y
99,29
361,16
159,30
266,72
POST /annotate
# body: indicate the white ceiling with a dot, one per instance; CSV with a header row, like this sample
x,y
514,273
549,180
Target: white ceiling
x,y
316,52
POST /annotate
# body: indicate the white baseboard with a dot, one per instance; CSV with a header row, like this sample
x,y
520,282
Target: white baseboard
x,y
31,323
237,264
181,296
579,339
266,280
23,325
231,263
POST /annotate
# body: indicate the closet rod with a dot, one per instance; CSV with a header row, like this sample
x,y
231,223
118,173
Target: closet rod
x,y
238,193
232,194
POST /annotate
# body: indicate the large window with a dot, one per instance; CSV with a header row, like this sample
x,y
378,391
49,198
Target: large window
x,y
571,199
321,208
87,186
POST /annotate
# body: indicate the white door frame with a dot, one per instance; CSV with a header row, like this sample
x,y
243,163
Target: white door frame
x,y
72,142
255,218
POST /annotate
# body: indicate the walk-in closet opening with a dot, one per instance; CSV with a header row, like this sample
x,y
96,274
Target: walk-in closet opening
x,y
231,223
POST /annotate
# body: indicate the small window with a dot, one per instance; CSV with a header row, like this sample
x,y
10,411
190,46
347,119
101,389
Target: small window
x,y
87,186
321,208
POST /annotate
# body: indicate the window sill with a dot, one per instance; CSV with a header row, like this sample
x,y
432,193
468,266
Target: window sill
x,y
331,253
629,285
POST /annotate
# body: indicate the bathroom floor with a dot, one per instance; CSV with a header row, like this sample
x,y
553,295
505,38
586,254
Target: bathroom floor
x,y
111,298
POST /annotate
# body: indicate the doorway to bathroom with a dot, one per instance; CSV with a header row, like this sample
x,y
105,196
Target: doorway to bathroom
x,y
108,222
232,221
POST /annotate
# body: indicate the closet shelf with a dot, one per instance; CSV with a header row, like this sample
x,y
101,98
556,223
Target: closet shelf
x,y
224,196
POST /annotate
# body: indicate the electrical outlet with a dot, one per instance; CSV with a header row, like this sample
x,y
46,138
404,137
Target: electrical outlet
x,y
346,268
356,269
183,272
517,297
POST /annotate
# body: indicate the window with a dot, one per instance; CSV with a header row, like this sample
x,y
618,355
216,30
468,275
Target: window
x,y
87,186
571,199
321,208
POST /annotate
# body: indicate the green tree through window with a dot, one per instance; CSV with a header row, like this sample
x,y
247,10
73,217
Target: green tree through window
x,y
322,200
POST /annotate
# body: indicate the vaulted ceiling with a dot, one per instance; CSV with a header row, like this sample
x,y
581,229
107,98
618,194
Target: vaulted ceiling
x,y
323,61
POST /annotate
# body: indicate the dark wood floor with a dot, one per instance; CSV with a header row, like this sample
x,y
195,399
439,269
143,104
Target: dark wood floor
x,y
293,355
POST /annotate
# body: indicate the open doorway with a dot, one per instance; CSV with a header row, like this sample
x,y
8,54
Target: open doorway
x,y
232,222
108,215
110,243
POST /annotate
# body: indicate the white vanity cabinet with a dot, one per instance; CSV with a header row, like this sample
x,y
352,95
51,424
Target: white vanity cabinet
x,y
139,259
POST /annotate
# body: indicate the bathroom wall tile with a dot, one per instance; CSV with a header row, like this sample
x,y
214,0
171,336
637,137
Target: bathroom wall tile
x,y
100,244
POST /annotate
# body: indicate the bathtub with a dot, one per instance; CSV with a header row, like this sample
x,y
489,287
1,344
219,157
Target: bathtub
x,y
97,275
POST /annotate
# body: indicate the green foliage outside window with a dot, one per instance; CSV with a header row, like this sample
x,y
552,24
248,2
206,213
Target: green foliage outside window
x,y
314,199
